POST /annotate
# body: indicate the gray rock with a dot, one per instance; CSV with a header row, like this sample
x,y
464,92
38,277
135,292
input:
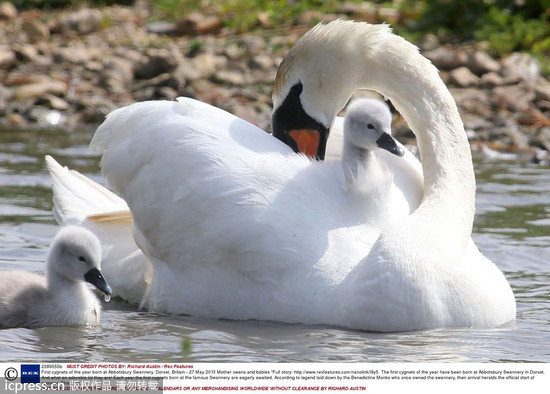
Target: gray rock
x,y
34,113
429,42
206,64
389,14
84,21
35,30
475,122
246,112
94,110
196,24
155,93
7,58
445,77
542,89
310,17
27,53
135,57
166,92
543,137
147,93
95,66
53,102
473,100
14,120
7,11
158,62
481,63
162,80
361,9
513,97
253,45
264,20
73,55
186,71
233,51
445,58
230,77
463,77
117,75
161,27
492,79
5,95
520,67
263,62
40,88
517,137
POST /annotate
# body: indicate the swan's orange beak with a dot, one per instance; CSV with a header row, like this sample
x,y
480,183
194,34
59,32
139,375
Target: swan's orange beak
x,y
307,141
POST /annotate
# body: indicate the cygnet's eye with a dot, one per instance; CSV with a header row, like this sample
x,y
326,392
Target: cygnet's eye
x,y
370,126
82,258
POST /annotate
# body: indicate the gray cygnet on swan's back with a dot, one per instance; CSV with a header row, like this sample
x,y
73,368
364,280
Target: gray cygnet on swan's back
x,y
62,298
367,127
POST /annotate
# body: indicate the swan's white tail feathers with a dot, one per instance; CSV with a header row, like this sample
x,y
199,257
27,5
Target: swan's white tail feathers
x,y
77,197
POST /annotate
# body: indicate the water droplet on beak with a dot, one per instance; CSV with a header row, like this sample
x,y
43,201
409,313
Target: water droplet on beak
x,y
107,297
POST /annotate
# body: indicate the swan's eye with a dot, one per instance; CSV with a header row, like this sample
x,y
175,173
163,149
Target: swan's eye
x,y
82,258
370,126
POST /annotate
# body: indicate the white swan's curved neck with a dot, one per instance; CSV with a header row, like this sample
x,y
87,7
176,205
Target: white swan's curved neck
x,y
415,88
393,67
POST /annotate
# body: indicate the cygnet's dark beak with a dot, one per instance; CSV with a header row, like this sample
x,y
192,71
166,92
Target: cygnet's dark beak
x,y
388,143
94,277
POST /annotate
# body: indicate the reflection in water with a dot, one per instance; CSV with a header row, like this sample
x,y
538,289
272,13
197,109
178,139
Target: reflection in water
x,y
512,228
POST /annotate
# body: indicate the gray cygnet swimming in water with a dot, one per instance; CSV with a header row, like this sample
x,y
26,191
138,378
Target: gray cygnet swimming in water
x,y
62,298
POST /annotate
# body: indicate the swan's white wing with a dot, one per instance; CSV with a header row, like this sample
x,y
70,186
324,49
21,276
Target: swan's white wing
x,y
81,201
127,268
234,227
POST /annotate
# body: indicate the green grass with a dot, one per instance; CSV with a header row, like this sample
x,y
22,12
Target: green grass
x,y
244,15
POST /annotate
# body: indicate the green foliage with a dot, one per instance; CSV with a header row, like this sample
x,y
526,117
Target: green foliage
x,y
49,4
466,17
508,32
506,25
195,47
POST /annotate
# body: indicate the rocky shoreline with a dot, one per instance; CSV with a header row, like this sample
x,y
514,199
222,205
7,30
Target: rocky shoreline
x,y
67,69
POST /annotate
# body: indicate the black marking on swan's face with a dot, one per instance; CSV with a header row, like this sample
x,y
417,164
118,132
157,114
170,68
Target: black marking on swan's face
x,y
290,117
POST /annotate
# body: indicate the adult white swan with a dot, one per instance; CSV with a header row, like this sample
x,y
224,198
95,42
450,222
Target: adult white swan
x,y
237,229
79,200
